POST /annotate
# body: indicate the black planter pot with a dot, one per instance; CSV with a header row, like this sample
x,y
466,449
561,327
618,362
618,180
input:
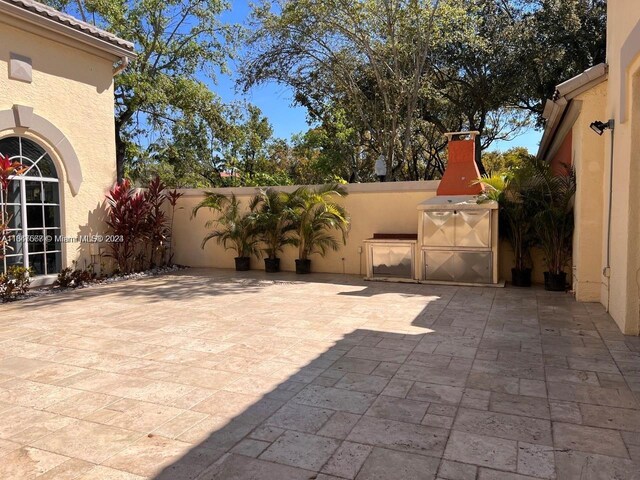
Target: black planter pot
x,y
243,264
272,265
303,266
555,282
521,278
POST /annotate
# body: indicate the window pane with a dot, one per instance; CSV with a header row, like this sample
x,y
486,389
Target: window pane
x,y
37,263
54,262
14,260
31,150
51,216
51,192
34,216
41,253
47,169
14,192
14,238
52,244
34,192
10,146
15,216
36,241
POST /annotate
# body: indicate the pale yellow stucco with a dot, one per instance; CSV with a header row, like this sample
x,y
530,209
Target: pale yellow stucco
x,y
607,261
373,208
623,105
72,89
588,158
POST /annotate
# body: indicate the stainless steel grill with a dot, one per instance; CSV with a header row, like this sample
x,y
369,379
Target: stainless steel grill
x,y
458,240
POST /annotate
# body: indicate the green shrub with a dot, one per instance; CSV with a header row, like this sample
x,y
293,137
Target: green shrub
x,y
69,278
15,282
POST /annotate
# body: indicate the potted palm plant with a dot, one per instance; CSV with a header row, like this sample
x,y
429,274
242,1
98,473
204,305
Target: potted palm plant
x,y
314,215
236,228
553,196
274,224
511,191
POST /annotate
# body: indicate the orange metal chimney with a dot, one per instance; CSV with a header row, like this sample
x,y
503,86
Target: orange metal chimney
x,y
461,171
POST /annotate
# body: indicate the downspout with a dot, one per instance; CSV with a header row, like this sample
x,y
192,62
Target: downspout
x,y
607,269
120,66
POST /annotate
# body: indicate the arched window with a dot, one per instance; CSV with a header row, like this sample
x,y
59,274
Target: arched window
x,y
33,204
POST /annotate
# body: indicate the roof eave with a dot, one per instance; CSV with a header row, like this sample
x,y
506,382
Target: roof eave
x,y
554,111
65,30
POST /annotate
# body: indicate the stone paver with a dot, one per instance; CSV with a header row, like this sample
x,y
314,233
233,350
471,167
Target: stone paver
x,y
210,374
400,465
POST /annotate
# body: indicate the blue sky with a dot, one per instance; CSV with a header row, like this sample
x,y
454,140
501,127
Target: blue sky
x,y
276,103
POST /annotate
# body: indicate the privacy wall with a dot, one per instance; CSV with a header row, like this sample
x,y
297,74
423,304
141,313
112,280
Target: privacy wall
x,y
373,207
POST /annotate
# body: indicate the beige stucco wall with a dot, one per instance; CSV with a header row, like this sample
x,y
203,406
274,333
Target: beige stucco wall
x,y
588,158
72,88
539,266
373,207
621,292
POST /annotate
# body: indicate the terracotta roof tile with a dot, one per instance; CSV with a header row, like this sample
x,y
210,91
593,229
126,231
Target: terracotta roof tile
x,y
68,20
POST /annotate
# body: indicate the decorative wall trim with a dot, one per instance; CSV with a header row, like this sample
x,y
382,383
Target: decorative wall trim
x,y
20,68
21,116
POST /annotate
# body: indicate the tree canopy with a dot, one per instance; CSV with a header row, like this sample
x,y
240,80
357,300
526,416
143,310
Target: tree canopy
x,y
377,78
408,71
160,94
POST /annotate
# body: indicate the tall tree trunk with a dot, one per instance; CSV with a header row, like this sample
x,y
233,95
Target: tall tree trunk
x,y
121,151
121,144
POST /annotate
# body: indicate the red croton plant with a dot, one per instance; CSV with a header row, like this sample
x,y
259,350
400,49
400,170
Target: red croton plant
x,y
138,221
8,169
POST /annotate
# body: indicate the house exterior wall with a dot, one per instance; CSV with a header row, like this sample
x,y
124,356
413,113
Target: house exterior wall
x,y
588,157
72,89
620,291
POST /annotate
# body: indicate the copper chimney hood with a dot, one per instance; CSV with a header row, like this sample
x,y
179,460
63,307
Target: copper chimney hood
x,y
458,236
462,171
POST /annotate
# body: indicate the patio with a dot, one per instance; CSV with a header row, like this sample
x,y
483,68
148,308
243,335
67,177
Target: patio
x,y
213,374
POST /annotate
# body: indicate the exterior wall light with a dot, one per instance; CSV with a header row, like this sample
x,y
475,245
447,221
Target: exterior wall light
x,y
600,127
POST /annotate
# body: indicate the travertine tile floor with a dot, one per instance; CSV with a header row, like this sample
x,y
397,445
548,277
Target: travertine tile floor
x,y
217,375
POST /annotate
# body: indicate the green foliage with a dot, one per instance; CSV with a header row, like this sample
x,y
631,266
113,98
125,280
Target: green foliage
x,y
274,220
536,208
356,66
553,201
515,194
70,278
160,97
236,228
376,77
15,282
498,163
314,215
138,222
408,71
495,187
559,39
